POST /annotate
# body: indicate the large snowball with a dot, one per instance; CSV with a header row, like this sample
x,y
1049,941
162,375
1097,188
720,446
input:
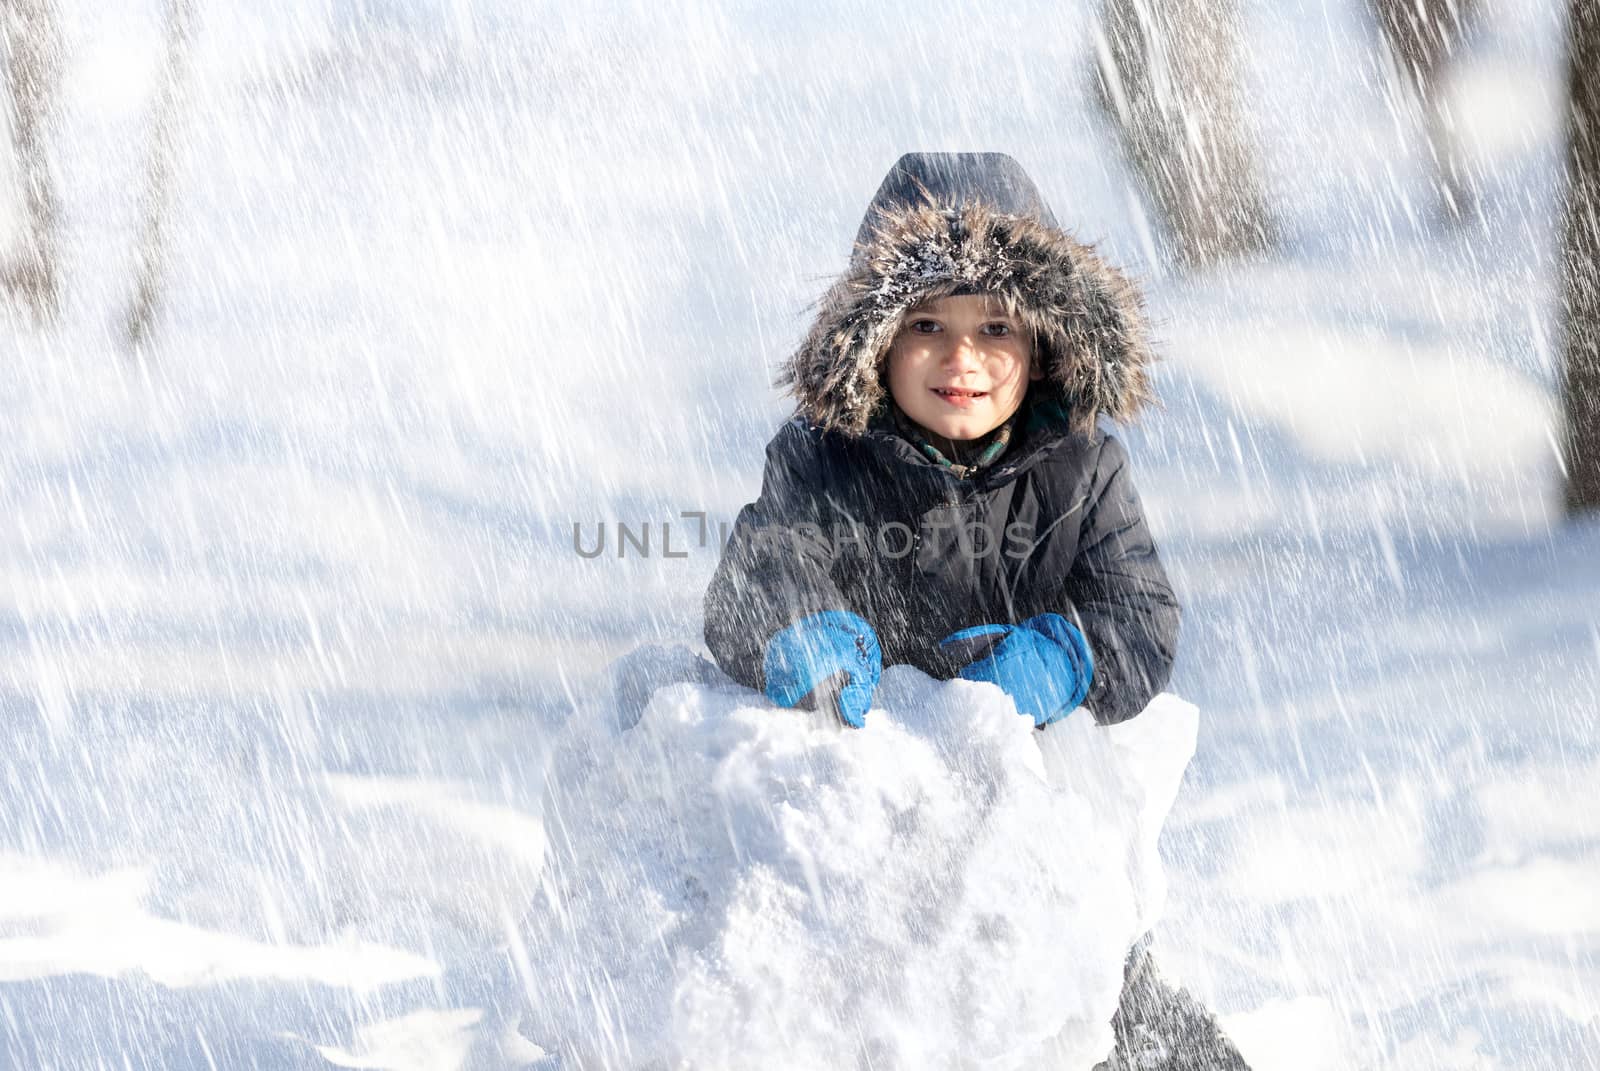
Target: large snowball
x,y
735,885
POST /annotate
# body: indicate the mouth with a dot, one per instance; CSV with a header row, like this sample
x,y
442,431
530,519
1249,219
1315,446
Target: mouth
x,y
959,396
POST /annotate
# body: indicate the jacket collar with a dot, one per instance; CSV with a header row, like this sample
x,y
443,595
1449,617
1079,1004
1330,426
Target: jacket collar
x,y
1035,431
983,455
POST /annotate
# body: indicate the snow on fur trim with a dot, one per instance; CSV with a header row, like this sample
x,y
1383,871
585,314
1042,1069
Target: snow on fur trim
x,y
1085,315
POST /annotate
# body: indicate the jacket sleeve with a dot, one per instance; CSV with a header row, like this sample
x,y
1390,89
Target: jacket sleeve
x,y
775,567
1124,602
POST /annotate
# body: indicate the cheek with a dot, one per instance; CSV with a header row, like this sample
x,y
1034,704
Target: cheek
x,y
905,361
898,371
1015,369
893,365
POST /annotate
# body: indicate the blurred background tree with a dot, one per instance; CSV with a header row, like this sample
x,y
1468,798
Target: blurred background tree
x,y
150,252
1581,260
1168,79
30,31
1423,36
30,269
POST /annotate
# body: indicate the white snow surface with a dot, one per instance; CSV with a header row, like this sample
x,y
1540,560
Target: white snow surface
x,y
733,885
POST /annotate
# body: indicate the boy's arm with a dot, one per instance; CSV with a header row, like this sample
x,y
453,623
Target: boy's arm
x,y
772,572
1123,599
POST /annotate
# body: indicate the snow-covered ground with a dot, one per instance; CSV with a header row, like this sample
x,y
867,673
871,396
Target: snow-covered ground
x,y
291,619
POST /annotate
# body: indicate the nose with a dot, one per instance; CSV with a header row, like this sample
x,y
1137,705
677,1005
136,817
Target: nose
x,y
962,353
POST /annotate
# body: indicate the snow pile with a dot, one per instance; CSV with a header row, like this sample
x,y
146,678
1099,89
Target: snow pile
x,y
735,885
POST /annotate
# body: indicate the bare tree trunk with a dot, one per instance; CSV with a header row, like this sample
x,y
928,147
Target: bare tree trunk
x,y
1581,260
33,39
1168,77
151,252
1424,36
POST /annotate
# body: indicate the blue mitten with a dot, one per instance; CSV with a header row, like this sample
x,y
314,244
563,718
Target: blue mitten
x,y
833,654
1043,664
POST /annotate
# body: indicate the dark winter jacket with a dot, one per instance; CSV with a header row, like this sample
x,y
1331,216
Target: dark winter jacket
x,y
852,516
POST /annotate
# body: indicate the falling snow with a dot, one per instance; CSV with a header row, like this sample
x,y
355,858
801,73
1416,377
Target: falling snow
x,y
299,669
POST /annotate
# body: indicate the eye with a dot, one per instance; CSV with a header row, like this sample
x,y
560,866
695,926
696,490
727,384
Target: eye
x,y
924,327
998,329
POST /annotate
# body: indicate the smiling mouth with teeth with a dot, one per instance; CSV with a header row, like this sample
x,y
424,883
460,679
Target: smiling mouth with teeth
x,y
957,392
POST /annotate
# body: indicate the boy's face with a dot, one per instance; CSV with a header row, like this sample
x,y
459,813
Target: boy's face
x,y
960,366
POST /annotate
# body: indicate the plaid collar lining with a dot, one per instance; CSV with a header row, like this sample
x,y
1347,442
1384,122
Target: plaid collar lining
x,y
987,456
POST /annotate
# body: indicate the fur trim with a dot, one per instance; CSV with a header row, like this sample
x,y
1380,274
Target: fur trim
x,y
1086,316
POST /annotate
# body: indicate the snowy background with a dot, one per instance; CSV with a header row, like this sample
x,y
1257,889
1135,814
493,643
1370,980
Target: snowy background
x,y
291,619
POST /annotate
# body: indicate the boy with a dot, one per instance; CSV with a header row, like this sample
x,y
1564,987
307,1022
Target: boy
x,y
943,497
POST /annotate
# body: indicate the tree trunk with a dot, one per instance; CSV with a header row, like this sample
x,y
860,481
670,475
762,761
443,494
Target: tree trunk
x,y
31,29
1168,80
1423,36
1581,260
150,255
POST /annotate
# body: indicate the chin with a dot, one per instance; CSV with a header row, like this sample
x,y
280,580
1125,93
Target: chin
x,y
964,430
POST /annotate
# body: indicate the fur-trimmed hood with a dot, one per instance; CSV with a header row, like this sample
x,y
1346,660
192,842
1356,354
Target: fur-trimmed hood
x,y
946,223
